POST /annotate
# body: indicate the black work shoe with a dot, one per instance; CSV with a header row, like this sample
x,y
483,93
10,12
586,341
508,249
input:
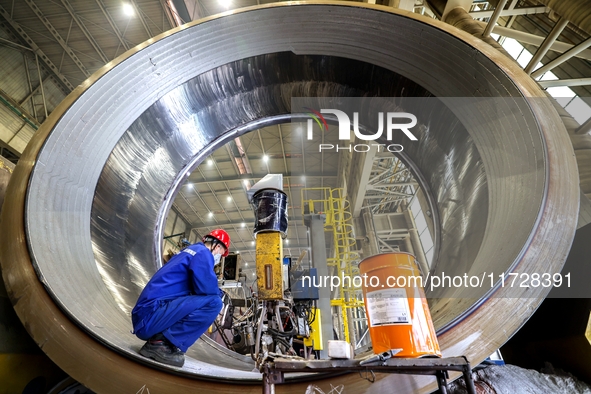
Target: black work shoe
x,y
163,351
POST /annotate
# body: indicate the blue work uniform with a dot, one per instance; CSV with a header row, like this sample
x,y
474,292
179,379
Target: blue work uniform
x,y
181,300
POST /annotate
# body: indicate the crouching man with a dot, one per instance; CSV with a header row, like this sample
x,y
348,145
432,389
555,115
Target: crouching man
x,y
181,300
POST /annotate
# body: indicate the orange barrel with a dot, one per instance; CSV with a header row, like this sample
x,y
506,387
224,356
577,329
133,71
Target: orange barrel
x,y
396,307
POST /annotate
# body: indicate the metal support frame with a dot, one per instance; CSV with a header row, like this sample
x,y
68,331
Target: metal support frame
x,y
273,371
33,91
142,19
30,96
41,84
14,44
562,58
339,224
388,247
584,128
358,188
545,47
513,17
19,30
416,242
57,36
533,39
18,110
511,12
315,224
566,82
112,23
370,232
255,176
85,31
494,18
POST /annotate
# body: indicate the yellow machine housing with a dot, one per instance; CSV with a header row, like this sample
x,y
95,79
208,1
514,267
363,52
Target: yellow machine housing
x,y
269,260
315,339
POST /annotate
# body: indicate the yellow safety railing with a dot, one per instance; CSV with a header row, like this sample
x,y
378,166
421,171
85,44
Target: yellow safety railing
x,y
333,204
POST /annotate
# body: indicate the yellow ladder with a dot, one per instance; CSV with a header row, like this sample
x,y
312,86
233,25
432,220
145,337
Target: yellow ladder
x,y
333,204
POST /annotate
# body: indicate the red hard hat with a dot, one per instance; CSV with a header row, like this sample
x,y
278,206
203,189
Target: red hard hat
x,y
221,236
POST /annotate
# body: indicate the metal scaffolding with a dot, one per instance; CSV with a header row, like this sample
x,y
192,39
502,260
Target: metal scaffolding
x,y
348,297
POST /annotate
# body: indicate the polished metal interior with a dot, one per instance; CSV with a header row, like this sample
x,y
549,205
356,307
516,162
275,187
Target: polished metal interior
x,y
107,172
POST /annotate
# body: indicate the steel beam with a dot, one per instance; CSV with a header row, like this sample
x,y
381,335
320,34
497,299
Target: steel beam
x,y
511,12
57,36
584,128
18,109
112,23
566,82
14,44
513,17
543,49
85,31
184,197
138,11
293,210
28,75
562,58
33,92
361,167
256,177
494,18
385,244
41,85
371,233
315,224
533,39
19,30
417,245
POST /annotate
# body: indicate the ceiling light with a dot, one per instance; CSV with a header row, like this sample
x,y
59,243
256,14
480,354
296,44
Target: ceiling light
x,y
190,185
210,162
246,264
229,198
265,158
128,9
243,225
245,182
188,174
287,241
303,178
252,242
211,214
225,3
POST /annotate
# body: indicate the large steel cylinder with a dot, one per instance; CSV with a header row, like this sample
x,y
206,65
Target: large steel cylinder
x,y
86,204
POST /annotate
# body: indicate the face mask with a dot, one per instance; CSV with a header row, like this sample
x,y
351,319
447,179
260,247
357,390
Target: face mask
x,y
216,259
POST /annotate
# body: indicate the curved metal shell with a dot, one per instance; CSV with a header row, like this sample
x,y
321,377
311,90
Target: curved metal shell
x,y
89,195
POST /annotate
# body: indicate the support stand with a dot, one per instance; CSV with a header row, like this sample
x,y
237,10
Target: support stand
x,y
274,370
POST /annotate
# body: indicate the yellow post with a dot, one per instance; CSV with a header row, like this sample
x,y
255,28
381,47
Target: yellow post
x,y
269,260
341,303
345,322
315,339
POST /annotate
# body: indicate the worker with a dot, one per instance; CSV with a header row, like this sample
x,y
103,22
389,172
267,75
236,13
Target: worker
x,y
181,300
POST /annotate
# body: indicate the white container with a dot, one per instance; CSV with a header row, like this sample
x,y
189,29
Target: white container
x,y
340,349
